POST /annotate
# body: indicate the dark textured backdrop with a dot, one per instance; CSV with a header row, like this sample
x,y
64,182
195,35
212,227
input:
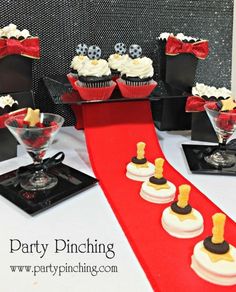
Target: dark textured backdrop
x,y
62,24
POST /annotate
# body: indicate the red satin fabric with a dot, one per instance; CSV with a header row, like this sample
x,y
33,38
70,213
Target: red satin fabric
x,y
27,47
175,47
112,131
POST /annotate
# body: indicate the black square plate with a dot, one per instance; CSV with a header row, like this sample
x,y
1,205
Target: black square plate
x,y
70,183
195,157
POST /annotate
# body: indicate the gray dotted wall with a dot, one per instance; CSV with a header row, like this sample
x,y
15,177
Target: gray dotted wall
x,y
62,24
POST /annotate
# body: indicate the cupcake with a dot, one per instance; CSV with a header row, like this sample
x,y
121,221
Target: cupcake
x,y
136,75
117,60
12,32
139,168
7,104
95,72
180,219
214,259
94,81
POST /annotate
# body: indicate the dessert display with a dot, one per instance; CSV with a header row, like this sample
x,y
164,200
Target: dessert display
x,y
35,131
214,259
139,168
7,104
136,75
180,219
94,80
157,189
118,60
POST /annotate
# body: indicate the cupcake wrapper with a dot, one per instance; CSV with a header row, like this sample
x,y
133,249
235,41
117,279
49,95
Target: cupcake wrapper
x,y
95,93
72,79
96,84
138,91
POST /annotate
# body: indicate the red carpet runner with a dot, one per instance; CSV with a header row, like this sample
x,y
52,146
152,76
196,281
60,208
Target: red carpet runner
x,y
112,131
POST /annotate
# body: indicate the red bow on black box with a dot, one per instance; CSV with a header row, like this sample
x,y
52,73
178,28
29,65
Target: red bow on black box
x,y
175,47
27,47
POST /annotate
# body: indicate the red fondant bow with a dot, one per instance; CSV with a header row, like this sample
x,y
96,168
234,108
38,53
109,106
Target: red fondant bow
x,y
196,104
198,49
28,47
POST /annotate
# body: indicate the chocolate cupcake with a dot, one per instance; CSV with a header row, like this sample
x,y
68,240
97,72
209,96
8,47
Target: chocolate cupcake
x,y
139,70
96,72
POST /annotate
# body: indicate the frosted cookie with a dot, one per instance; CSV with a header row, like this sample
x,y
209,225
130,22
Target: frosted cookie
x,y
180,219
157,189
139,168
214,259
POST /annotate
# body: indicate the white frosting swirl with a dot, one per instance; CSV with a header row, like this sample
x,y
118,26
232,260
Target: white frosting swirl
x,y
201,89
140,67
116,61
7,100
95,68
78,62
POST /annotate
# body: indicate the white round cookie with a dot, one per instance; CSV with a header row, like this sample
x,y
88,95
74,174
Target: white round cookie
x,y
140,173
221,273
162,196
182,229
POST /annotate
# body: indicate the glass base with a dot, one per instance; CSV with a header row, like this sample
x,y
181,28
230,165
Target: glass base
x,y
39,181
220,158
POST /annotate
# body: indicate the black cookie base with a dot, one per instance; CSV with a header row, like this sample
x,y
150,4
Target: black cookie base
x,y
138,161
182,211
157,181
217,248
93,79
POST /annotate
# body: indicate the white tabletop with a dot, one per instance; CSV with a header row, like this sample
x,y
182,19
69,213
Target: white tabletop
x,y
86,216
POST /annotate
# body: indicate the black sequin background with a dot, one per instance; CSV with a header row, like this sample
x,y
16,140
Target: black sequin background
x,y
62,24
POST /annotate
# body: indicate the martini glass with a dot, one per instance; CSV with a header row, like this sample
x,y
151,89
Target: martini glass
x,y
36,141
224,124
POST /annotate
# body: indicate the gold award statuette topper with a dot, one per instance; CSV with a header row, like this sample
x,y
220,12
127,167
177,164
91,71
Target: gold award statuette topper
x,y
218,228
32,117
218,238
141,150
183,196
159,162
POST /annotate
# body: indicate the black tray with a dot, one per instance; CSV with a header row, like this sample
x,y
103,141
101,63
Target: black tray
x,y
195,157
70,183
62,92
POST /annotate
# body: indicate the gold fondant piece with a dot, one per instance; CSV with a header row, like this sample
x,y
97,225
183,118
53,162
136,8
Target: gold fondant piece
x,y
32,117
145,165
228,104
218,227
183,196
81,57
214,257
135,61
159,168
116,56
94,62
183,217
140,150
158,187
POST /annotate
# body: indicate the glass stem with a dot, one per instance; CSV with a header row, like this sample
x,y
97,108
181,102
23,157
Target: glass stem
x,y
222,145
